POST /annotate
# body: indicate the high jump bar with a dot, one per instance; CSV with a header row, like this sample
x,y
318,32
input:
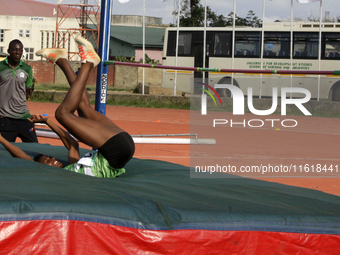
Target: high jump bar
x,y
200,69
145,139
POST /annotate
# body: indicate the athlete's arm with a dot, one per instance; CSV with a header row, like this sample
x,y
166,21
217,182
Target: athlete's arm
x,y
14,150
70,144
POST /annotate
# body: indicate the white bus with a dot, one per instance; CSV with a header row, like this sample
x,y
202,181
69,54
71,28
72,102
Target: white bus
x,y
247,55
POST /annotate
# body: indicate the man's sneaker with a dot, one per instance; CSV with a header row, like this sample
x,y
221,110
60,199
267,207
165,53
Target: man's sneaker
x,y
86,51
52,54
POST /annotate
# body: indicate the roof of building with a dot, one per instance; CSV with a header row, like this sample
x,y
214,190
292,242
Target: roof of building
x,y
134,35
28,8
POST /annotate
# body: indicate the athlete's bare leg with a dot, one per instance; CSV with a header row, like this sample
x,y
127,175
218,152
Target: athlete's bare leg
x,y
90,127
88,131
85,109
71,77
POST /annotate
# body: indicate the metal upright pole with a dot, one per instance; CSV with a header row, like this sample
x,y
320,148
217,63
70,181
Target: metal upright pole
x,y
319,51
143,85
233,44
177,40
103,52
291,44
204,41
262,43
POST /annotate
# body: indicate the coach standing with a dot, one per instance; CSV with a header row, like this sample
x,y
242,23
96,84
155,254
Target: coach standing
x,y
15,77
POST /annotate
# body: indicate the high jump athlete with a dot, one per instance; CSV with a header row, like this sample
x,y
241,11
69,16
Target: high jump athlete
x,y
115,146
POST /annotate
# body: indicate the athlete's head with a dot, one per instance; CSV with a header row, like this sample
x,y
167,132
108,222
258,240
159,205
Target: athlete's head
x,y
15,50
48,160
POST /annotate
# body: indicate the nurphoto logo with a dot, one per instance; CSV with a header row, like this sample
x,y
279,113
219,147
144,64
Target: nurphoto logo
x,y
204,97
238,103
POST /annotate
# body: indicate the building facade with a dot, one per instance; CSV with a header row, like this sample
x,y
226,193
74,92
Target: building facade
x,y
33,23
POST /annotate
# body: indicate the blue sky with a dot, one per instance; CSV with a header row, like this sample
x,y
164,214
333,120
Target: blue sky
x,y
274,9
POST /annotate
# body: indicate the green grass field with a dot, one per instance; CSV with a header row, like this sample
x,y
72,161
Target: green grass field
x,y
64,87
39,95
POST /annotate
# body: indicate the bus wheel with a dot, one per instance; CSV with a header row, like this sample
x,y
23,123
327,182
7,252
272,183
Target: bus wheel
x,y
226,92
336,93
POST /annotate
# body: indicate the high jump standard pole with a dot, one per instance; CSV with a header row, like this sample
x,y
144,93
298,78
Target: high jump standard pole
x,y
103,52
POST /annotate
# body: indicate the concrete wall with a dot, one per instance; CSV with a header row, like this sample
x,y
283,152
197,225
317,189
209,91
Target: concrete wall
x,y
121,77
152,76
126,77
46,72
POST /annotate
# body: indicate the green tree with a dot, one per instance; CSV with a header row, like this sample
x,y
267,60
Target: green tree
x,y
252,20
218,21
313,18
192,15
238,20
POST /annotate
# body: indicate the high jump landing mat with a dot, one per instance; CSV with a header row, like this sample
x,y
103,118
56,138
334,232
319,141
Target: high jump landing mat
x,y
156,208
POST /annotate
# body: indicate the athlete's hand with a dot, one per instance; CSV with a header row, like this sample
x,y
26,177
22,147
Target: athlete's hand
x,y
38,119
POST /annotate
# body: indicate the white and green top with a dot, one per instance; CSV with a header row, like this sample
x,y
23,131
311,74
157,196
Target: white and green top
x,y
94,164
13,84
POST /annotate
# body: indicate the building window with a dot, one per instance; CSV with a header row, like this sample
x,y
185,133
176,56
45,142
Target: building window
x,y
21,33
58,40
69,43
42,40
27,33
29,53
1,49
47,39
52,39
2,35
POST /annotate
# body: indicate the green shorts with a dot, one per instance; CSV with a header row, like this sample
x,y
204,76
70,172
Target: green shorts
x,y
94,164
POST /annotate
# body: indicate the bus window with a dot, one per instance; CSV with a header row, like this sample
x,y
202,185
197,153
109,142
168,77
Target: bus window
x,y
276,45
171,44
184,43
222,44
331,46
247,44
306,45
